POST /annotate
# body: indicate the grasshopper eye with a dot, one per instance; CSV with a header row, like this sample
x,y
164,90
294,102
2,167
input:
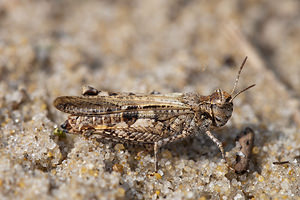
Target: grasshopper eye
x,y
228,99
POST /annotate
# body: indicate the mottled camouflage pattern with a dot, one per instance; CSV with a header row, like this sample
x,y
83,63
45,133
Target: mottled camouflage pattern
x,y
148,120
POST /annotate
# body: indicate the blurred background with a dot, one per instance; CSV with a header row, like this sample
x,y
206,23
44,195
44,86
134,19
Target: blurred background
x,y
53,48
141,46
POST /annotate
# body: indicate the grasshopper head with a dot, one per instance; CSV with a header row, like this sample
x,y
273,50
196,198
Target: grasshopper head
x,y
221,107
221,102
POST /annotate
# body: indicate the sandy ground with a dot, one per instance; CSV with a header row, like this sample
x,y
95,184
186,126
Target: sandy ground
x,y
53,48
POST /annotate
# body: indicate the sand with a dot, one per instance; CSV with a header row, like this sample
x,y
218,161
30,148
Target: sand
x,y
53,48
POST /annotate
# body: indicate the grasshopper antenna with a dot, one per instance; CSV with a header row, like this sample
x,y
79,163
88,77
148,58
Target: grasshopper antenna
x,y
247,88
238,76
237,80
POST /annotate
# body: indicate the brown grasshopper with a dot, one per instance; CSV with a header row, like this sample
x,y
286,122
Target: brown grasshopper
x,y
150,120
